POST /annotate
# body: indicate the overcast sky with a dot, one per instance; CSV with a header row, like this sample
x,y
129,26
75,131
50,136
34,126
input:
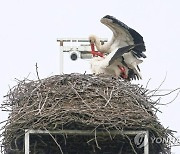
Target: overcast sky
x,y
29,30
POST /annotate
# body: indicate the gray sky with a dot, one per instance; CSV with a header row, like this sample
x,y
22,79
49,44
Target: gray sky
x,y
29,29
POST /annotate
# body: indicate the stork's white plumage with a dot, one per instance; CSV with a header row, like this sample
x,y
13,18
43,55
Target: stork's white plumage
x,y
112,63
122,36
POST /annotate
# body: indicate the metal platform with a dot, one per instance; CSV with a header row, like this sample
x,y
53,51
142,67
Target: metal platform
x,y
77,47
87,133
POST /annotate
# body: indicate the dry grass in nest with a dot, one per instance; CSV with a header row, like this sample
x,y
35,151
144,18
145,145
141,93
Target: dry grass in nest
x,y
79,102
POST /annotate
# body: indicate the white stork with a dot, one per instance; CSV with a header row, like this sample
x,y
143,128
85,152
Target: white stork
x,y
122,36
112,64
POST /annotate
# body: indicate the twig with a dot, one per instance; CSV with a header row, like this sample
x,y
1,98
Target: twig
x,y
56,142
160,85
95,137
37,73
110,97
167,93
171,100
131,144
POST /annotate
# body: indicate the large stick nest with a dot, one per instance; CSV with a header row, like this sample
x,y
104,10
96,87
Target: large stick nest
x,y
80,102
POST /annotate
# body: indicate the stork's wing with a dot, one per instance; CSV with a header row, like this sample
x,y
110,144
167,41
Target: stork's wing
x,y
123,32
117,54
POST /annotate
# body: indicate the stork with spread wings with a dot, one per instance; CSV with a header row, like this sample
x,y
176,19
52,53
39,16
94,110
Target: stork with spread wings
x,y
123,36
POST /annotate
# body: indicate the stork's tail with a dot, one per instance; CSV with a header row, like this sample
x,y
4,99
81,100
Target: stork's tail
x,y
136,68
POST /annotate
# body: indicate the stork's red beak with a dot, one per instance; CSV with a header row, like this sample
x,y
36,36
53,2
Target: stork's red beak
x,y
95,53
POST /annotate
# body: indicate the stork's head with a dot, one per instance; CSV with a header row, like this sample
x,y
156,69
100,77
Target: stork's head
x,y
92,38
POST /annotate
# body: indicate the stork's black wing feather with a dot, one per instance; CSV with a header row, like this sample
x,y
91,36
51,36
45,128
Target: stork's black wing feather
x,y
132,75
137,38
121,51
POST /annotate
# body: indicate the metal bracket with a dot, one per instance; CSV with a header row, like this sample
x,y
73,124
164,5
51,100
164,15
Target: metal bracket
x,y
79,45
86,132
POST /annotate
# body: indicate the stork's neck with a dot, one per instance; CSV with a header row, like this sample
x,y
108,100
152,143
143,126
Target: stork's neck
x,y
98,44
103,47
